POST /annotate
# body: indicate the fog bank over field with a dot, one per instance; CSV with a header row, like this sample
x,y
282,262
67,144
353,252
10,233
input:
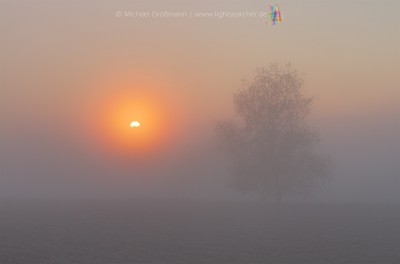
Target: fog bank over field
x,y
68,73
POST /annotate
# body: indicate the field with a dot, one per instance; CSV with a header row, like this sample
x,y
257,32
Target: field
x,y
116,232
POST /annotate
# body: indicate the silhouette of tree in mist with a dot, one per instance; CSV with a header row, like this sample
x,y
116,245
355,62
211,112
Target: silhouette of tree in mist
x,y
270,144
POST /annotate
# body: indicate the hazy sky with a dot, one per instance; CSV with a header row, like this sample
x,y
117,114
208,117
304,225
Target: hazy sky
x,y
71,71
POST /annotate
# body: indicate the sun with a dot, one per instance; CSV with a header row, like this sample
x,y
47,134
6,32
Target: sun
x,y
134,119
134,124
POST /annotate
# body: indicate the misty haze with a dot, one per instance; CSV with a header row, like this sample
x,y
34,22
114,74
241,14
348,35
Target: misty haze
x,y
240,132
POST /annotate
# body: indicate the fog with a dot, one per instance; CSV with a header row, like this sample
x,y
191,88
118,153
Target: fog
x,y
39,159
260,141
58,60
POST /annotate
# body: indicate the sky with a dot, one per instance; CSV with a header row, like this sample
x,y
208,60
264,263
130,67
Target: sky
x,y
71,72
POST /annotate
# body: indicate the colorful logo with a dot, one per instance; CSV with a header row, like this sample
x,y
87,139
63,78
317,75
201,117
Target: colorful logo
x,y
274,15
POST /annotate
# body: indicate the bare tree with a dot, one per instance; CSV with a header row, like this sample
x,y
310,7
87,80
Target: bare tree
x,y
270,144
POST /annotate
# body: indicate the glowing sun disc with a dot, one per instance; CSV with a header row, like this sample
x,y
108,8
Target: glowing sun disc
x,y
135,124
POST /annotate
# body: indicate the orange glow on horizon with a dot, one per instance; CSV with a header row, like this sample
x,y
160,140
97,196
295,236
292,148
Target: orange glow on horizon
x,y
133,120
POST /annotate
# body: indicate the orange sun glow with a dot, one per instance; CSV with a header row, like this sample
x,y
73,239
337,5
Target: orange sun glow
x,y
133,116
130,121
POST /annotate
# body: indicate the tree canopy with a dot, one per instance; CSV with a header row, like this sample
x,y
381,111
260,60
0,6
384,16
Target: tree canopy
x,y
270,144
